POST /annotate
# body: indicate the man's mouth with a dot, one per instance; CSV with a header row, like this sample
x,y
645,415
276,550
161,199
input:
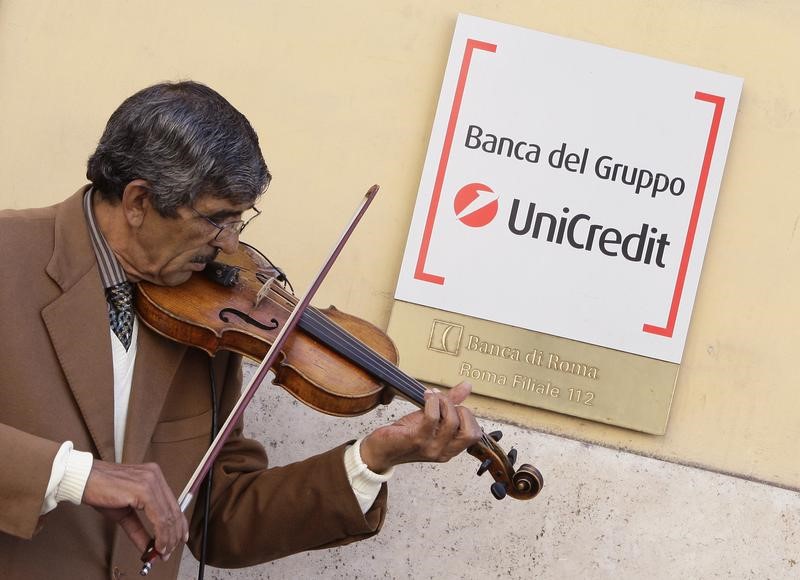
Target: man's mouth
x,y
204,259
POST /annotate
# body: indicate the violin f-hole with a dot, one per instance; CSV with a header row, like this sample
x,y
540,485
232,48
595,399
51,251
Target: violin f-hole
x,y
248,319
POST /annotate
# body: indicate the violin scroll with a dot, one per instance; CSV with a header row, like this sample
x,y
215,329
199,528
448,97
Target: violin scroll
x,y
522,483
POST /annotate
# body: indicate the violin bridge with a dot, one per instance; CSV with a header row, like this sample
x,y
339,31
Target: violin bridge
x,y
262,293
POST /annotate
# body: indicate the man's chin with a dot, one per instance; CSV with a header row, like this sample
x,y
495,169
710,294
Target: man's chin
x,y
198,266
177,278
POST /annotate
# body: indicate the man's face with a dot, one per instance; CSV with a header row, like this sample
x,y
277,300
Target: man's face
x,y
173,248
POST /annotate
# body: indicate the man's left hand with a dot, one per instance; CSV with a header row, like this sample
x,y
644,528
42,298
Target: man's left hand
x,y
437,433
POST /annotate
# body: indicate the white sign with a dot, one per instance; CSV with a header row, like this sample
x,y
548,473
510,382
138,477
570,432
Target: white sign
x,y
569,188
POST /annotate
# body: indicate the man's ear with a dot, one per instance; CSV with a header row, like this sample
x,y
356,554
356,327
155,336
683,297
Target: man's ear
x,y
136,201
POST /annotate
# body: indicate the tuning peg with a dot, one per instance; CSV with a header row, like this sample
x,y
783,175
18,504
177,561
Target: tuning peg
x,y
496,435
512,456
498,490
485,464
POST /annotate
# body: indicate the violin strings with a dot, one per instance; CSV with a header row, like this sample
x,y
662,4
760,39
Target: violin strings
x,y
356,350
365,353
368,359
360,353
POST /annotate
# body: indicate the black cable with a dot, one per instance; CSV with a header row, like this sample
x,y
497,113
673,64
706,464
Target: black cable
x,y
207,493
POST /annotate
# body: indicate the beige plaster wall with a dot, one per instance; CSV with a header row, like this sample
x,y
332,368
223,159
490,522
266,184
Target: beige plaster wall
x,y
343,95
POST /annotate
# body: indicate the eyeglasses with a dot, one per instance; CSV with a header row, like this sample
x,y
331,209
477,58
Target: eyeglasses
x,y
229,228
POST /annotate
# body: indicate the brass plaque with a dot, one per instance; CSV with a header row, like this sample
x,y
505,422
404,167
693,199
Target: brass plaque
x,y
533,368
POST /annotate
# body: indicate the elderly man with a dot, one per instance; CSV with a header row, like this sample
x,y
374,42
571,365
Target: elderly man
x,y
102,420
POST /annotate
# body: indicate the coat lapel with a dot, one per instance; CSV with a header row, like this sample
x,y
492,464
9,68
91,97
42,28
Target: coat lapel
x,y
77,322
79,333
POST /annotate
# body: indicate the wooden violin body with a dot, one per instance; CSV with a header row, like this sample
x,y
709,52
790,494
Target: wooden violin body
x,y
214,317
334,362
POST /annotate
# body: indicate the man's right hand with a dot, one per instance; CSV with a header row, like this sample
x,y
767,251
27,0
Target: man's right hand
x,y
120,491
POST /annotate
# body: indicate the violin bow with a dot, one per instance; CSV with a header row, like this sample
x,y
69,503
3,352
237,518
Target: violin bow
x,y
190,491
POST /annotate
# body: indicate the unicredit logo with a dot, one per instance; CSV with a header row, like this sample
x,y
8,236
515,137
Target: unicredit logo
x,y
475,205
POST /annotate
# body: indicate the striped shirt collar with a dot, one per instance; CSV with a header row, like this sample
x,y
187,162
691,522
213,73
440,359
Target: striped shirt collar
x,y
111,272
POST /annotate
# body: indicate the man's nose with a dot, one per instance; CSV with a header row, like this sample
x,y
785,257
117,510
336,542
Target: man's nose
x,y
228,242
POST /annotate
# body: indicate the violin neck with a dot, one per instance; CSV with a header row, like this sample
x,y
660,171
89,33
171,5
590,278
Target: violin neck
x,y
342,342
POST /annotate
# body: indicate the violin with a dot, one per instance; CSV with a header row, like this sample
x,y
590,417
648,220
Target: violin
x,y
242,310
335,363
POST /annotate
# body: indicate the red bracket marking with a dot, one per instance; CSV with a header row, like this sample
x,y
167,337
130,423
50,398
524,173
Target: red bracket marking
x,y
719,103
420,273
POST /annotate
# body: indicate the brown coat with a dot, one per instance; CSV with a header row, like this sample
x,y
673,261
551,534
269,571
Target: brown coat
x,y
56,385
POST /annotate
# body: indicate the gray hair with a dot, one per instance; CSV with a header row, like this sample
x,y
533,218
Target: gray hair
x,y
185,140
